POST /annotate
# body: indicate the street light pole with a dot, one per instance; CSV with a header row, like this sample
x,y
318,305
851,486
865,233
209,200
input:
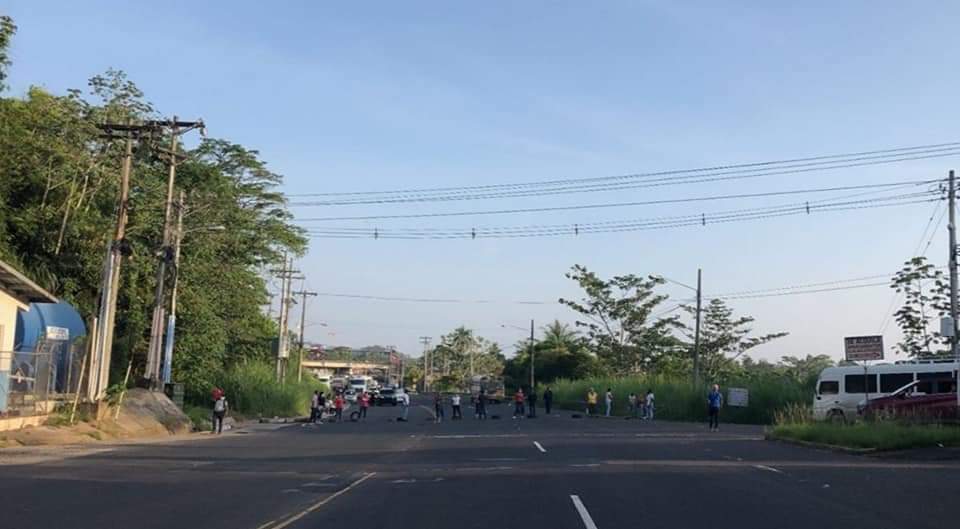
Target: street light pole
x,y
952,228
696,332
531,356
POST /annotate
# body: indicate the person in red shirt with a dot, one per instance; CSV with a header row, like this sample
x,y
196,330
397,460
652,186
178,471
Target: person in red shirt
x,y
364,404
518,399
338,406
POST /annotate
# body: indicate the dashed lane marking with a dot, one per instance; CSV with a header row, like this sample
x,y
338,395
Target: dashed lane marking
x,y
286,522
540,447
582,510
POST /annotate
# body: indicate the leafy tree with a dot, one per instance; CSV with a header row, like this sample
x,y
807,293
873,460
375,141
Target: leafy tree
x,y
560,353
57,206
805,370
461,352
926,294
7,30
723,338
619,320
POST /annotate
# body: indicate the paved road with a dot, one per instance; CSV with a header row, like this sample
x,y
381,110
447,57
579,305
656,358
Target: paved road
x,y
552,472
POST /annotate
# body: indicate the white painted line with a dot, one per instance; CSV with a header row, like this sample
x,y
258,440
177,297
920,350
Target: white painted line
x,y
584,515
502,459
768,469
315,506
540,447
587,465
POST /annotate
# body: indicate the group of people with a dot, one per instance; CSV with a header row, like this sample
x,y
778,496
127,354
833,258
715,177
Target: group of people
x,y
642,407
321,404
525,404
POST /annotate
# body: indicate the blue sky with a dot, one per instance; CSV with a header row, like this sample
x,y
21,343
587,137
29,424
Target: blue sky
x,y
389,95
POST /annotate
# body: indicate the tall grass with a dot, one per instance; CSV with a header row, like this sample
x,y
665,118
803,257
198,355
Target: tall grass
x,y
252,389
679,400
881,435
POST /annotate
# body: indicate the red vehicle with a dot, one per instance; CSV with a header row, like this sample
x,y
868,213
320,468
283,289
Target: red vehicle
x,y
909,402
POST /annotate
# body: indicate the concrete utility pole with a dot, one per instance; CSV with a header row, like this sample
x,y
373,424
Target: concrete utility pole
x,y
303,293
154,350
696,332
98,379
283,341
952,229
172,318
425,340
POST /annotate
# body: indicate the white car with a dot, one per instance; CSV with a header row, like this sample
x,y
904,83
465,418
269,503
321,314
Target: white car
x,y
350,395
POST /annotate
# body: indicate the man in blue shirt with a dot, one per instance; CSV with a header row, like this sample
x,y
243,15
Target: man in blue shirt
x,y
714,403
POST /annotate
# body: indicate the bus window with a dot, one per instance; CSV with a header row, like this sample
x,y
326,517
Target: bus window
x,y
890,382
829,387
931,383
854,384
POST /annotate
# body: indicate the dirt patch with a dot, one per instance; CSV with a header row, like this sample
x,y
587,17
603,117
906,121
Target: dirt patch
x,y
144,414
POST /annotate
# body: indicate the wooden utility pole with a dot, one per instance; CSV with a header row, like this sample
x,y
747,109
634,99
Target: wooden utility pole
x,y
952,228
696,331
283,340
303,293
425,340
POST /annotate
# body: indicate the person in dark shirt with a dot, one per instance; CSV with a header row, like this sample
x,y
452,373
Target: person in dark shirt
x,y
547,400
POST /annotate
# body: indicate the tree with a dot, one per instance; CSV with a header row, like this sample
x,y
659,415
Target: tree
x,y
620,326
7,30
805,370
723,338
560,353
926,293
461,353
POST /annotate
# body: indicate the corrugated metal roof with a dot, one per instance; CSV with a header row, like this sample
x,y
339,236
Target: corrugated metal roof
x,y
20,287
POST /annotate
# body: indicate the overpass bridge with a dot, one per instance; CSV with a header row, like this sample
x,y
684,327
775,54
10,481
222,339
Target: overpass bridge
x,y
385,370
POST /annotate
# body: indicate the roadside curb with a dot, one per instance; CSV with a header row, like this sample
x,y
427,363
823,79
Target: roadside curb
x,y
282,420
822,446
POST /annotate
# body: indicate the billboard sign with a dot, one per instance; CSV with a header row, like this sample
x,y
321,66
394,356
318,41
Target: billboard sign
x,y
863,348
738,397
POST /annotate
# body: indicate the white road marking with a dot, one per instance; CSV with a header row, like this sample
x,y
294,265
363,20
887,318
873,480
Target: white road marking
x,y
286,522
584,514
476,436
404,481
501,459
586,465
768,469
540,447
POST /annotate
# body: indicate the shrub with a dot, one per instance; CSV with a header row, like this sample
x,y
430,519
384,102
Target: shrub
x,y
252,389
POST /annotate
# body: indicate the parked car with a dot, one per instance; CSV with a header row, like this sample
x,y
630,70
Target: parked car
x,y
910,402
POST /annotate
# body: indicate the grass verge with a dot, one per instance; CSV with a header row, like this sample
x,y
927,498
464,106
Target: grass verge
x,y
252,390
878,435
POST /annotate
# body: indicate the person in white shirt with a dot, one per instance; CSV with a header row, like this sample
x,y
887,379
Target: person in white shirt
x,y
455,402
608,400
648,407
404,406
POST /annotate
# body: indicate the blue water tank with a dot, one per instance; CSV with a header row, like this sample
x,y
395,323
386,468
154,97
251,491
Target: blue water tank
x,y
59,325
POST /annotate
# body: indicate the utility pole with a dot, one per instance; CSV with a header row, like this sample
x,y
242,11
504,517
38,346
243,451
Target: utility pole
x,y
531,356
303,293
152,372
103,333
696,332
952,229
425,340
172,317
283,340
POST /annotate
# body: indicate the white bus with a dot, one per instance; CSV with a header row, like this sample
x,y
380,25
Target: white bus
x,y
841,389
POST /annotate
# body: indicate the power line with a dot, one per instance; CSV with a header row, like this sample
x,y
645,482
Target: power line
x,y
891,185
619,226
695,179
740,166
797,292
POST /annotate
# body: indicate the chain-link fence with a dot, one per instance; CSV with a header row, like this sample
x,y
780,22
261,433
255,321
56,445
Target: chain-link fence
x,y
31,383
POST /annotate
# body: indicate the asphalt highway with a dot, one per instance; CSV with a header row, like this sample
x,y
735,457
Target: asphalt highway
x,y
552,472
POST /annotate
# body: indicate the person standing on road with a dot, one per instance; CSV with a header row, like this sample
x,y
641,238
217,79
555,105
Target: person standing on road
x,y
404,406
632,404
532,401
438,407
220,408
547,400
314,404
364,404
481,412
714,403
608,400
456,414
338,407
321,406
591,402
518,404
648,405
